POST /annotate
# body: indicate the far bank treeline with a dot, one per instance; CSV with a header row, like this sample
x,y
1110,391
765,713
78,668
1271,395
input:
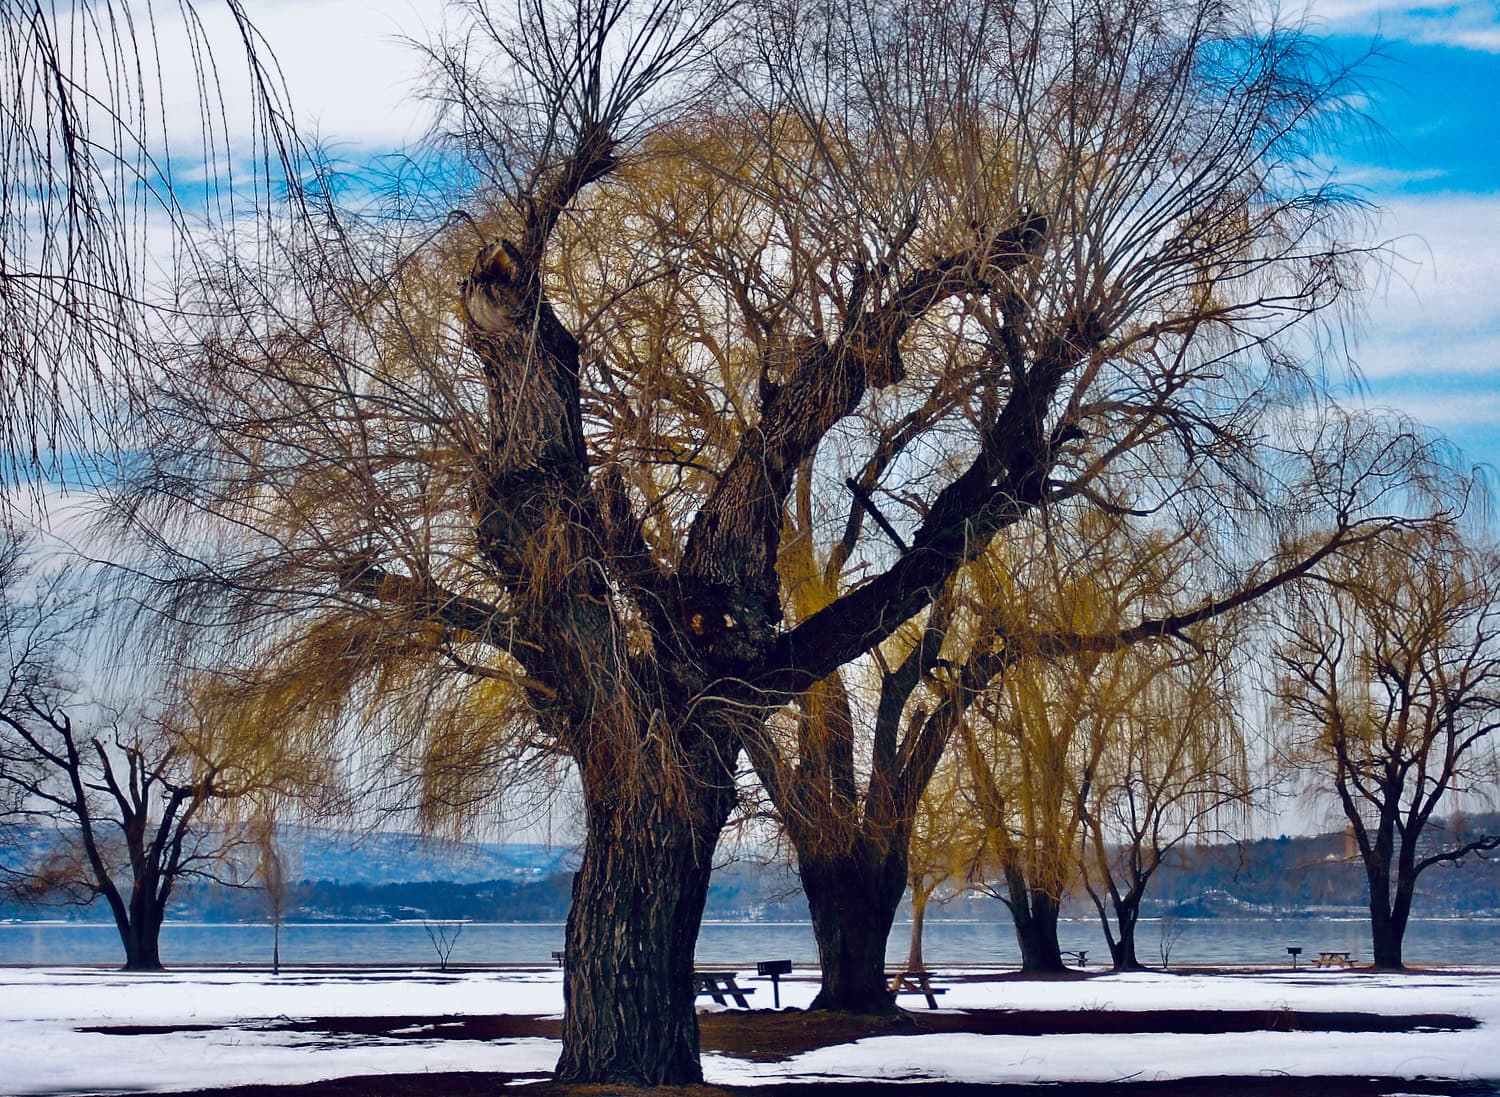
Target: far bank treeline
x,y
909,430
1286,877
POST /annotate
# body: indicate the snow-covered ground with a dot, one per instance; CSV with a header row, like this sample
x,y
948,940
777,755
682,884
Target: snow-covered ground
x,y
43,1051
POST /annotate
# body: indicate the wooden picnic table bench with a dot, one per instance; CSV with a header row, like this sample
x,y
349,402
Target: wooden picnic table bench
x,y
1081,955
1332,959
720,983
916,982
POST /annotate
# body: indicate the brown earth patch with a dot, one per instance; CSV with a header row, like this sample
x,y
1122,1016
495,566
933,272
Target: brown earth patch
x,y
772,1036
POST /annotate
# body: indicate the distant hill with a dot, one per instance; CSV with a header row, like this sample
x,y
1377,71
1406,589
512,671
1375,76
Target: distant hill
x,y
350,874
386,876
384,857
1314,874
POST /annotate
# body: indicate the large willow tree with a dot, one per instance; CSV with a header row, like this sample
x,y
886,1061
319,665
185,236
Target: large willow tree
x,y
517,484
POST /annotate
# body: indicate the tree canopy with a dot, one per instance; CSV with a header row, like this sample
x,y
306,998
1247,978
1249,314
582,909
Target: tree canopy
x,y
906,282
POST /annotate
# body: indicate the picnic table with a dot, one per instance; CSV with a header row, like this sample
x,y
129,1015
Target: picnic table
x,y
721,983
1081,955
1332,959
916,982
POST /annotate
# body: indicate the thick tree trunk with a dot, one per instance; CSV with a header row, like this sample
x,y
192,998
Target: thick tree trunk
x,y
853,900
142,948
638,900
1040,952
140,933
1387,918
1385,937
1388,926
1035,913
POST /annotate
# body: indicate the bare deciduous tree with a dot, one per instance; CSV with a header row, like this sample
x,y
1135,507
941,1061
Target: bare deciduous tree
x,y
120,807
1174,770
1388,677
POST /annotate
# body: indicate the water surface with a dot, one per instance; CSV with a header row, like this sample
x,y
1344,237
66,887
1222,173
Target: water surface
x,y
1217,941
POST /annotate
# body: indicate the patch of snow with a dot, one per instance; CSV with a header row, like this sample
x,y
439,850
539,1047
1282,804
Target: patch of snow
x,y
43,1051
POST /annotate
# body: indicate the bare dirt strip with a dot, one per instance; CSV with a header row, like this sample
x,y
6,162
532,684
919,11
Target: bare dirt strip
x,y
774,1036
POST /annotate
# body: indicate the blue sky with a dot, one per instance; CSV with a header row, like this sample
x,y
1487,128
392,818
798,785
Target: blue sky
x,y
1430,343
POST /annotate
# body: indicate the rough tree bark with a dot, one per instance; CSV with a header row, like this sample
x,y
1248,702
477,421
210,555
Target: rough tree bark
x,y
657,784
853,900
637,905
657,772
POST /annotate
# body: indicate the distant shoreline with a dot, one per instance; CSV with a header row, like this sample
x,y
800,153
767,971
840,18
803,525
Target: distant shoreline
x,y
1287,916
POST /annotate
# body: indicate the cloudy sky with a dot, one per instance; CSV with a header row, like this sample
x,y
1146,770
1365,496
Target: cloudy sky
x,y
1431,344
1431,341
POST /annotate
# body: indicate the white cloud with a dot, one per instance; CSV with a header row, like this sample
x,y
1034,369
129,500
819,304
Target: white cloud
x,y
1446,412
1436,311
350,65
1468,24
350,76
1485,39
1386,179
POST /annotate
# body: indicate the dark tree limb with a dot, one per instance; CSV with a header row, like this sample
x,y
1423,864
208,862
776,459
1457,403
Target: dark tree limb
x,y
730,597
465,615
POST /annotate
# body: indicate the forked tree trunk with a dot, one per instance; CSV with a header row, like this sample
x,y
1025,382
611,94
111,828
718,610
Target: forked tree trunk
x,y
1037,936
1122,953
853,900
142,948
1388,919
638,901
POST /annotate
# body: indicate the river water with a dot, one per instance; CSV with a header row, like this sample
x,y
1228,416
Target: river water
x,y
1238,941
